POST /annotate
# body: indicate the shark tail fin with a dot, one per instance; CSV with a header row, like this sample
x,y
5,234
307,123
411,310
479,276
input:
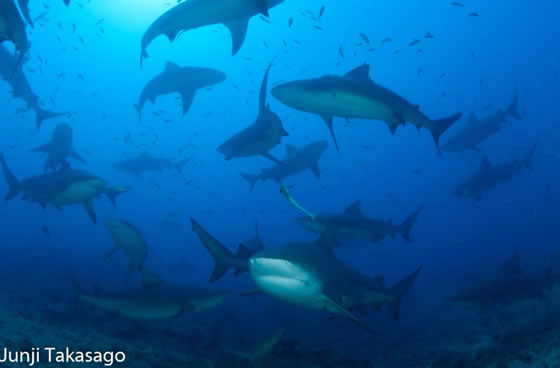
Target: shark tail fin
x,y
440,126
43,115
181,164
222,256
13,183
408,223
113,192
528,160
399,291
252,179
512,109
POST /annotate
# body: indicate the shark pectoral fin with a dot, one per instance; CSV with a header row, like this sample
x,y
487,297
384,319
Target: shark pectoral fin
x,y
316,170
262,7
88,205
272,158
43,148
252,292
75,155
333,307
238,31
112,251
187,97
329,121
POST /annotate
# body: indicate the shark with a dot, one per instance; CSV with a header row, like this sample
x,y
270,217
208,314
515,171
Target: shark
x,y
193,14
352,223
176,79
355,95
64,187
261,136
309,275
156,299
12,29
128,238
477,130
224,259
509,286
145,162
297,160
255,243
12,72
59,148
489,175
258,352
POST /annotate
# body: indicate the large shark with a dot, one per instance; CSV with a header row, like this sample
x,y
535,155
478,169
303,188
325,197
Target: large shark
x,y
12,72
128,238
261,136
257,353
352,224
12,29
355,95
157,299
489,176
311,276
223,257
144,162
64,187
509,286
59,148
183,80
192,14
477,130
296,161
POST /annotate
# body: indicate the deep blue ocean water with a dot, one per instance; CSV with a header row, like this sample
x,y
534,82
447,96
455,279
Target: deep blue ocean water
x,y
473,65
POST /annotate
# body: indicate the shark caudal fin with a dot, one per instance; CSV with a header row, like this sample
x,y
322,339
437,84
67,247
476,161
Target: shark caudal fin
x,y
181,164
113,192
13,183
251,179
42,115
528,160
407,224
224,259
440,126
512,109
400,290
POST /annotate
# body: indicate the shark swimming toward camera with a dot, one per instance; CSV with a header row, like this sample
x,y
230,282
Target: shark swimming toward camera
x,y
224,259
352,224
509,286
296,161
192,14
59,148
261,136
157,299
489,176
128,238
64,187
175,79
477,130
13,74
311,276
144,162
355,95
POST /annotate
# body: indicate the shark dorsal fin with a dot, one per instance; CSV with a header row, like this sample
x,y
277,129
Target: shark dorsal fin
x,y
485,163
149,278
327,241
354,209
512,267
171,66
359,73
290,150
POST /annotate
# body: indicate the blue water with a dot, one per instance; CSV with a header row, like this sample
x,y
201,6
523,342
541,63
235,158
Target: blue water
x,y
457,241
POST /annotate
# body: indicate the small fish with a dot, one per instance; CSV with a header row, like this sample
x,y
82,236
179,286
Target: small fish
x,y
413,42
341,51
364,37
100,21
290,22
458,4
385,40
429,35
442,75
321,12
45,230
473,15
